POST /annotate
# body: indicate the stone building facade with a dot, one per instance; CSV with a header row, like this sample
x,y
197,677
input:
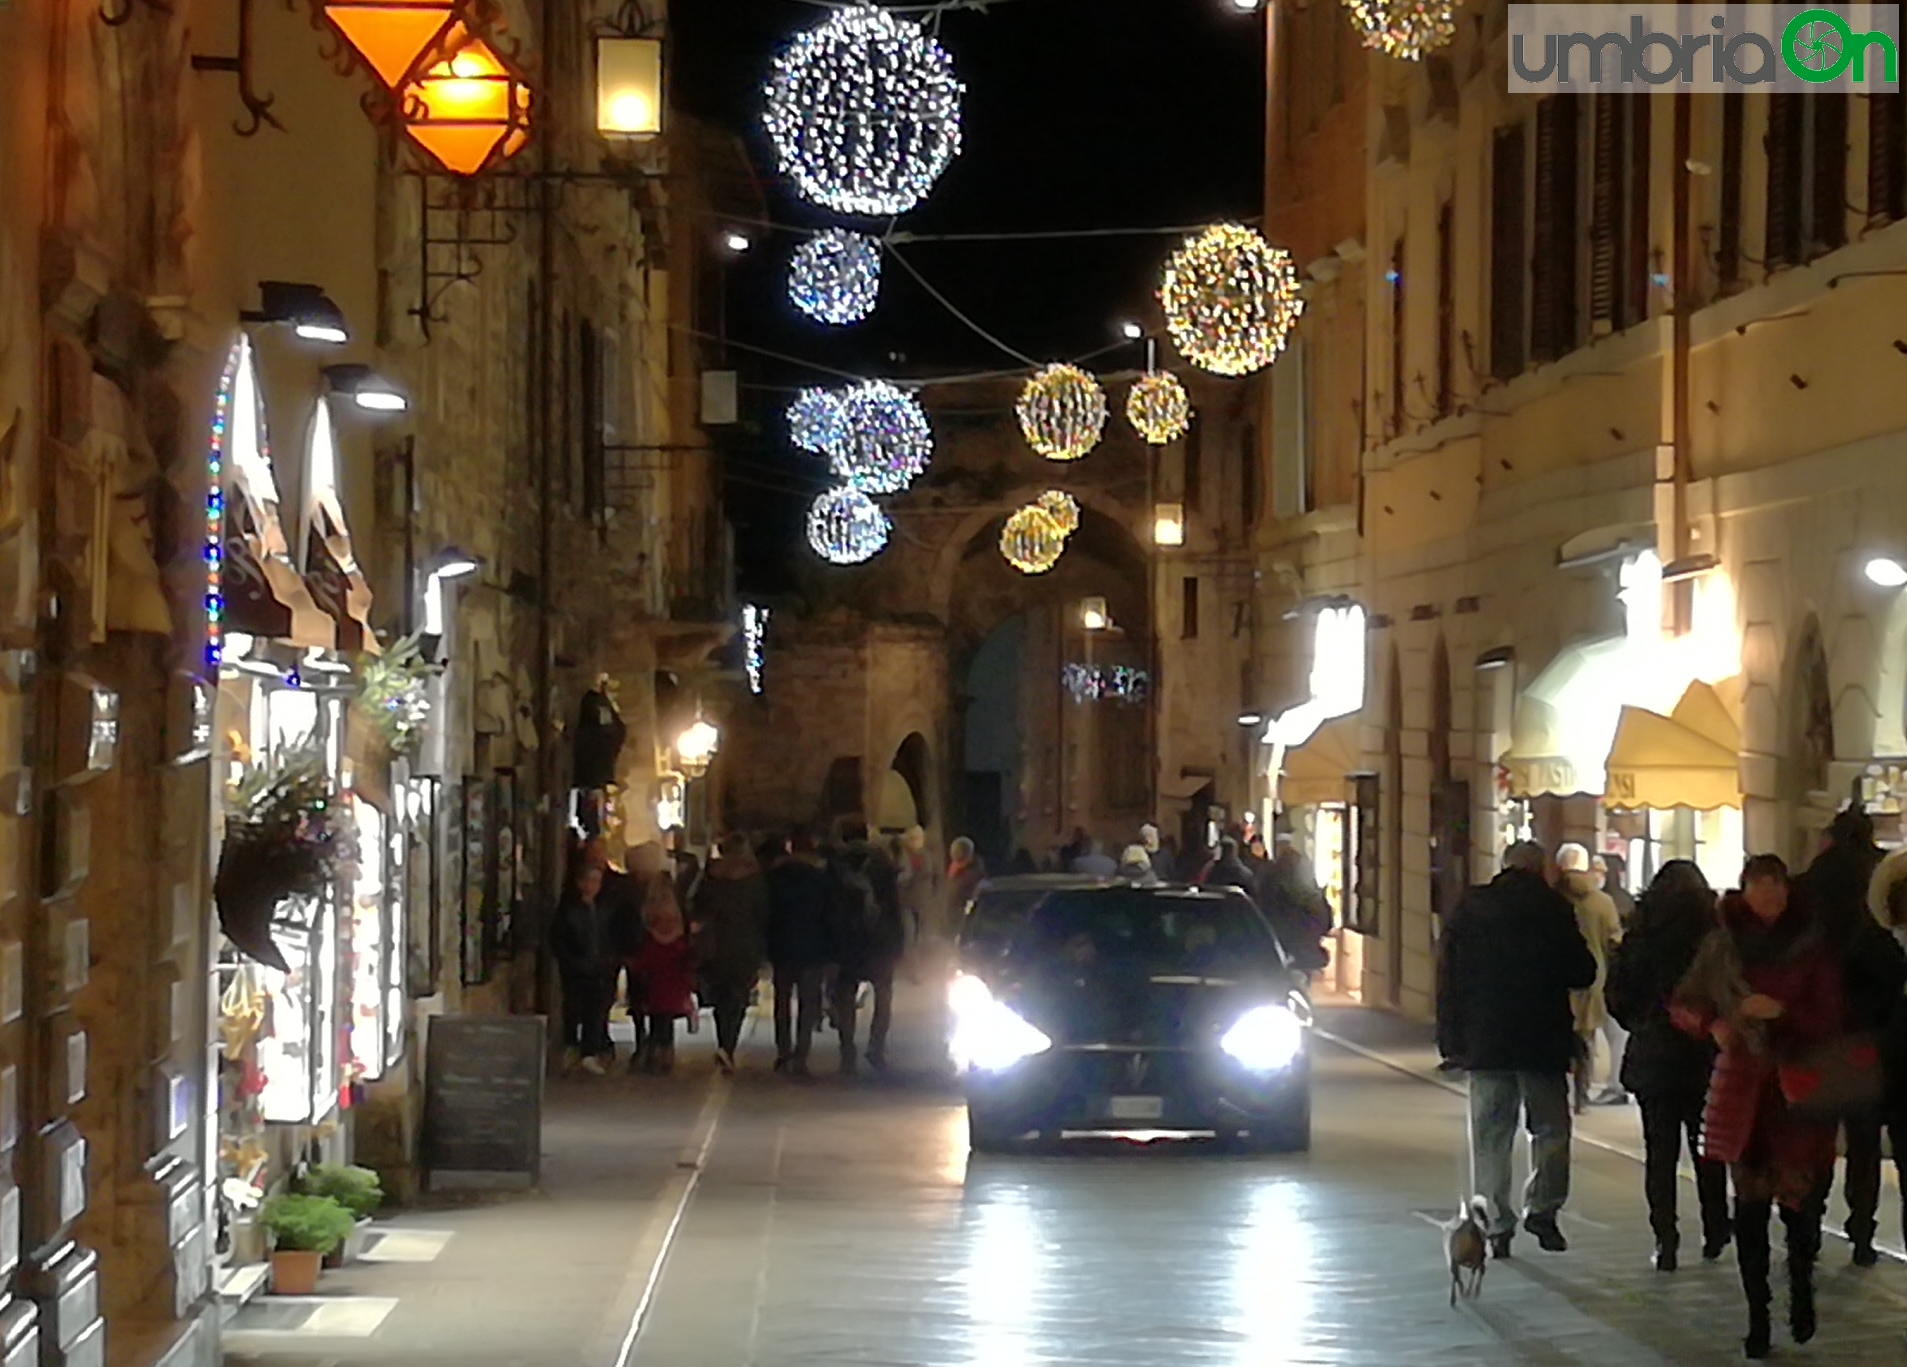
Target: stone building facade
x,y
157,163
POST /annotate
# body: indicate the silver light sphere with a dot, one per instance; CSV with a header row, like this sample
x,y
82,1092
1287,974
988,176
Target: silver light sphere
x,y
836,277
886,442
846,527
864,112
817,421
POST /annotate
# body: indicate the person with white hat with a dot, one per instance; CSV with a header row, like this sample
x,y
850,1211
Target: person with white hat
x,y
1601,927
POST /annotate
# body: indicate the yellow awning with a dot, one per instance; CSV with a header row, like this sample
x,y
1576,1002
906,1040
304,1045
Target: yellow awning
x,y
1318,771
1690,758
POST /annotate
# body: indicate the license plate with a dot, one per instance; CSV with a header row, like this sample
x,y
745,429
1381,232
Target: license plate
x,y
1136,1107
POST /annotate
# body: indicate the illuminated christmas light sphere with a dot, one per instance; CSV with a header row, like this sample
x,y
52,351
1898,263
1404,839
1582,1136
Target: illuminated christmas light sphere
x,y
1157,407
864,112
1062,412
836,277
818,421
886,441
1406,29
846,527
1230,300
1062,507
1032,541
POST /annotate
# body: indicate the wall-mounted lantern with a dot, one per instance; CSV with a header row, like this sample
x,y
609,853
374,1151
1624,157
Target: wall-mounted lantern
x,y
392,36
470,109
628,86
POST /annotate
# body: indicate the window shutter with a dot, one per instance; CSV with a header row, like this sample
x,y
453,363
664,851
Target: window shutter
x,y
1728,250
1553,269
1784,179
1886,157
1506,253
1828,221
1605,212
1288,416
1446,306
1398,354
1633,292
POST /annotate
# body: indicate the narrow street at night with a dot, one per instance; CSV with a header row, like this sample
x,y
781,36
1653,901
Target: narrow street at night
x,y
847,1223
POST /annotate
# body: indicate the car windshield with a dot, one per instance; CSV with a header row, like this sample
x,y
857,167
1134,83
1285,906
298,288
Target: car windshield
x,y
1163,933
996,914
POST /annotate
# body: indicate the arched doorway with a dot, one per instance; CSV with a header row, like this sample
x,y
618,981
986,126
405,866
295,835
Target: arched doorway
x,y
906,788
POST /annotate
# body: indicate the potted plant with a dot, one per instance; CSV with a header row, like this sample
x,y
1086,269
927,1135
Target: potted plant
x,y
358,1190
287,834
303,1229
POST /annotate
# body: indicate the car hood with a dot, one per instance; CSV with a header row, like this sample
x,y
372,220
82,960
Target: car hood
x,y
1133,1006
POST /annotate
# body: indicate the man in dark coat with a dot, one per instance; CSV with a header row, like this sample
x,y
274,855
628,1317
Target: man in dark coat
x,y
800,947
870,940
1509,963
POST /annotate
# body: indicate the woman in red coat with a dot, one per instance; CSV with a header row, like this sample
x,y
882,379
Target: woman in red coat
x,y
664,967
1765,987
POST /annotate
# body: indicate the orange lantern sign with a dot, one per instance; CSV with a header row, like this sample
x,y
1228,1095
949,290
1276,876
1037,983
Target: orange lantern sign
x,y
469,108
391,36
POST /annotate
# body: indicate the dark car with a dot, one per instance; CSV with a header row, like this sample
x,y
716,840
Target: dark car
x,y
1126,1009
1001,906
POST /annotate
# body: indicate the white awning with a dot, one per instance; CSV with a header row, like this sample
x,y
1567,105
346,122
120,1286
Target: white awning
x,y
1566,719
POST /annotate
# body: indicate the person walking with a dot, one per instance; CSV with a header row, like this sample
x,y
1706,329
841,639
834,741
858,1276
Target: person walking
x,y
914,874
583,943
965,872
1508,965
868,944
1665,1067
1615,882
1135,867
1873,976
1164,863
1229,871
664,963
800,925
731,919
1765,986
1601,929
1093,861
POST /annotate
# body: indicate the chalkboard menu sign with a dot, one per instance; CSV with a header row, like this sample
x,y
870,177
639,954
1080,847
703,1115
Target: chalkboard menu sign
x,y
483,1097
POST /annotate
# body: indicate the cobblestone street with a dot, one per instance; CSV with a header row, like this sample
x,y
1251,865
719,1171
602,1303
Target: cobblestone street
x,y
844,1223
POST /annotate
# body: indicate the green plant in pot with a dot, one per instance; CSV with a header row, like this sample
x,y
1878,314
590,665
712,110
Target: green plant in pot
x,y
358,1190
303,1229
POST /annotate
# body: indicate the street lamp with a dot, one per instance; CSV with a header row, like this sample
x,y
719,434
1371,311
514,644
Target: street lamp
x,y
1887,572
1131,331
736,241
1168,524
629,87
696,747
1093,615
452,564
307,310
366,388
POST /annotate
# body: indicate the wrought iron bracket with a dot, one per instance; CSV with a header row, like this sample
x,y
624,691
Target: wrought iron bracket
x,y
257,107
458,217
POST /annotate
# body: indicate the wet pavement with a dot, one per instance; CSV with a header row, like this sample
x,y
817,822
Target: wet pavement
x,y
842,1222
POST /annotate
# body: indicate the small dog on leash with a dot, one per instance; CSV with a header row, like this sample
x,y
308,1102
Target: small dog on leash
x,y
1466,1240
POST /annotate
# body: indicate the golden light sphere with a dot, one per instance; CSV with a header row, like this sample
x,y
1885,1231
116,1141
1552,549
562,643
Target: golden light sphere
x,y
1405,29
1032,541
1062,412
1062,507
1157,407
1230,300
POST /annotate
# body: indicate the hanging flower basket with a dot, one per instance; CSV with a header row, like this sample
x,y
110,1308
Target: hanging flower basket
x,y
286,835
393,696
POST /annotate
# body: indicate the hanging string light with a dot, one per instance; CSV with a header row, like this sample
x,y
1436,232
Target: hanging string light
x,y
817,421
1230,299
846,527
1062,412
836,277
1405,29
1158,408
864,112
886,441
1035,536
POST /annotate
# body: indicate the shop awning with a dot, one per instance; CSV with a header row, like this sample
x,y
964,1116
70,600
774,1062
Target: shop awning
x,y
1318,771
1690,758
331,566
1565,720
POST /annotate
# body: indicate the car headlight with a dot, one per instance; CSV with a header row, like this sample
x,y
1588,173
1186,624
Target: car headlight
x,y
988,1035
1266,1039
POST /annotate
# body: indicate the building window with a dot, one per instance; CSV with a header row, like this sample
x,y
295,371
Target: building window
x,y
1807,176
1395,277
1188,607
1886,157
1194,456
1248,485
1556,240
1446,305
1619,213
1728,250
1507,253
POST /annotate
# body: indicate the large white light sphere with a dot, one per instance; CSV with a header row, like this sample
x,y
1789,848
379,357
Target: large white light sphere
x,y
864,113
886,441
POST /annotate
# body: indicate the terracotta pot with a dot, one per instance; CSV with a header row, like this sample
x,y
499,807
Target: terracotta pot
x,y
294,1272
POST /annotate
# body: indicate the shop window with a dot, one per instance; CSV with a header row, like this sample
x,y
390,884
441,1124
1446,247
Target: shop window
x,y
1363,862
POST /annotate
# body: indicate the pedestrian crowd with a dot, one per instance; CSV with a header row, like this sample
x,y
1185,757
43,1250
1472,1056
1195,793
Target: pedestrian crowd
x,y
1764,1030
833,923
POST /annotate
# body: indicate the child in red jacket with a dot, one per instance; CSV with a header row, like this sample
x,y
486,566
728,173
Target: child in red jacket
x,y
664,965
